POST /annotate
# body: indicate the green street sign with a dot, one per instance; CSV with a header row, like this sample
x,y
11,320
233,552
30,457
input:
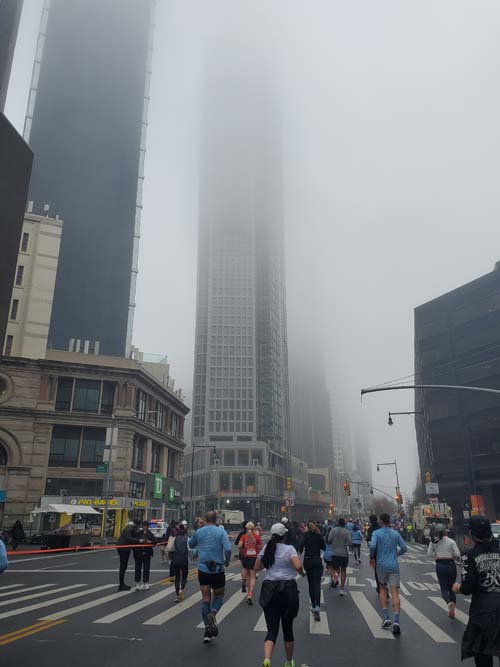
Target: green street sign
x,y
158,486
171,492
102,467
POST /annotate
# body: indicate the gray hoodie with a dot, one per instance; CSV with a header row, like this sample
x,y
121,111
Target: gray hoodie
x,y
340,539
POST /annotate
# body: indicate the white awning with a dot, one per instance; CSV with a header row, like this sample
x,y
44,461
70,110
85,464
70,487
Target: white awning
x,y
65,509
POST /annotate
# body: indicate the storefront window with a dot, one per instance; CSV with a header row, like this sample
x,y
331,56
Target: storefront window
x,y
92,447
136,489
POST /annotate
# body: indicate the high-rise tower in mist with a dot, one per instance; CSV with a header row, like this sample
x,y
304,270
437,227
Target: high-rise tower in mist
x,y
241,369
86,123
10,14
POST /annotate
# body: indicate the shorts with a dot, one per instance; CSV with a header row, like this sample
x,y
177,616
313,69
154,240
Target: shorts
x,y
248,562
390,579
339,561
213,579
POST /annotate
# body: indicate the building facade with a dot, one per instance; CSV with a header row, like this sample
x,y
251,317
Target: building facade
x,y
55,416
10,15
458,432
86,123
33,291
16,160
240,387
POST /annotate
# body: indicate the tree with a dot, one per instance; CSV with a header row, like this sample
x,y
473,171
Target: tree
x,y
384,505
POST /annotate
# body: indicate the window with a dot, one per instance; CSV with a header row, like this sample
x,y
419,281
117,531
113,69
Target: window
x,y
24,242
160,416
92,447
250,482
3,455
19,275
224,481
257,457
64,391
229,457
171,464
64,446
141,405
8,345
136,489
155,459
86,396
237,481
107,398
137,453
243,458
14,308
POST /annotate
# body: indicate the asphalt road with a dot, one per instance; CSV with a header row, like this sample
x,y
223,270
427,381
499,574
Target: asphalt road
x,y
57,608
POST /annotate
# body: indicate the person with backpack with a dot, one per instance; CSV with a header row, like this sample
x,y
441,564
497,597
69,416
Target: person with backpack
x,y
250,544
356,538
180,562
313,545
243,530
445,552
17,534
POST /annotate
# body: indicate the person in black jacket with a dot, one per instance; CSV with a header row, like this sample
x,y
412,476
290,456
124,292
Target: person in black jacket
x,y
129,535
180,562
17,534
313,545
143,556
481,579
238,555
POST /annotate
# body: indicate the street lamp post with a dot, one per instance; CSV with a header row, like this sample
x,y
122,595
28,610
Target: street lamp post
x,y
393,463
191,517
390,422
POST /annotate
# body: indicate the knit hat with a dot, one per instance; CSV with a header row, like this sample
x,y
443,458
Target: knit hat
x,y
480,528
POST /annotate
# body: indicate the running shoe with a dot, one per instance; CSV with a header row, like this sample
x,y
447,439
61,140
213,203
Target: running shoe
x,y
138,587
124,587
289,663
146,587
451,610
207,637
212,624
243,587
342,592
266,663
181,596
396,629
316,615
249,601
386,623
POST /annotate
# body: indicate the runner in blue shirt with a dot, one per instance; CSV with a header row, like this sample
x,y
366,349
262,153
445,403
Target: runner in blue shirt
x,y
385,546
214,552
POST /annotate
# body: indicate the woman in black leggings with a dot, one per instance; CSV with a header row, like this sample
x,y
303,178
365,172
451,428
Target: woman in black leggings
x,y
313,545
279,596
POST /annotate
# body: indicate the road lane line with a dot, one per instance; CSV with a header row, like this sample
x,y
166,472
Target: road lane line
x,y
26,632
85,606
168,614
21,631
372,618
426,624
463,618
26,590
48,603
320,627
4,603
141,604
228,606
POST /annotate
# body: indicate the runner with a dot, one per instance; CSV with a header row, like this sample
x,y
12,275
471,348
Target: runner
x,y
279,596
340,539
481,579
386,545
313,545
180,562
356,538
238,555
250,544
445,552
214,552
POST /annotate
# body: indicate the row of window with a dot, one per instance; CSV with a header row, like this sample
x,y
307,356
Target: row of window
x,y
233,427
164,418
76,447
78,395
158,465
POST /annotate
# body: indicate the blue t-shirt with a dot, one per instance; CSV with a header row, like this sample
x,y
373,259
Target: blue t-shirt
x,y
3,557
213,545
384,547
356,536
349,525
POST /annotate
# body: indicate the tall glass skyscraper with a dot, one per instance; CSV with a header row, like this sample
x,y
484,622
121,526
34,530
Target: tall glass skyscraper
x,y
86,123
240,396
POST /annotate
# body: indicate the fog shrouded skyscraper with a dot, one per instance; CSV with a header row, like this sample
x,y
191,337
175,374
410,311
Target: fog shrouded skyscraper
x,y
86,123
241,369
10,14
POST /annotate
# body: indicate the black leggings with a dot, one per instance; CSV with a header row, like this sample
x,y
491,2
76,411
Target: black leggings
x,y
446,571
356,549
142,566
314,571
277,611
181,574
484,660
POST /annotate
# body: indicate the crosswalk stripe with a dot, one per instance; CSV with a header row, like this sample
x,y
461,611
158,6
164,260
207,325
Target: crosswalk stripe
x,y
320,627
404,589
25,590
261,626
86,605
231,604
370,615
144,602
168,614
426,624
48,603
4,588
463,618
4,603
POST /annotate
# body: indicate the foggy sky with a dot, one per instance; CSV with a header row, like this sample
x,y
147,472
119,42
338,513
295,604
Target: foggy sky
x,y
391,152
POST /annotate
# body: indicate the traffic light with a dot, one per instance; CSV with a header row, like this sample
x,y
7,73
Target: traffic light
x,y
331,509
347,488
288,483
427,477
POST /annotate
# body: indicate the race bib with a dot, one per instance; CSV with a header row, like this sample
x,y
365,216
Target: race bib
x,y
251,552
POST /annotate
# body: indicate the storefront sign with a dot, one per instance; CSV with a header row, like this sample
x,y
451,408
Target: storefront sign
x,y
113,502
158,486
171,493
139,503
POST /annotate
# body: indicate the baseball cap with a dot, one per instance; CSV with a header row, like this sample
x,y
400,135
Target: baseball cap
x,y
285,519
184,522
480,528
278,529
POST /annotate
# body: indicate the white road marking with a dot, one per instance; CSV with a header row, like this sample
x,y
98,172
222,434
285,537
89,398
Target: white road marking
x,y
167,615
48,603
261,624
426,624
404,589
85,606
463,618
143,602
70,553
371,616
4,588
4,603
417,585
352,582
320,627
231,604
25,590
